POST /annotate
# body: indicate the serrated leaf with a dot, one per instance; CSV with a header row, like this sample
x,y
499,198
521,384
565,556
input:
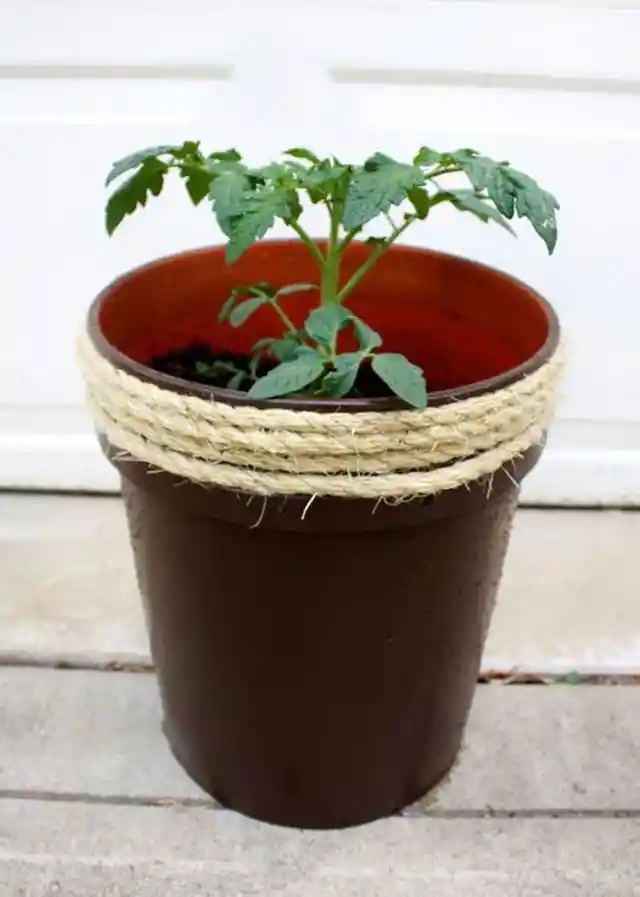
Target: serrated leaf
x,y
230,155
257,216
378,160
294,206
299,152
467,201
285,349
485,174
293,288
274,171
189,149
479,169
419,199
197,181
289,377
325,180
514,192
537,206
243,310
227,191
128,163
403,378
374,190
149,179
367,338
227,306
341,380
426,156
501,192
324,323
236,380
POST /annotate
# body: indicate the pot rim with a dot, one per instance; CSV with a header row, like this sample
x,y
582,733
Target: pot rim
x,y
236,398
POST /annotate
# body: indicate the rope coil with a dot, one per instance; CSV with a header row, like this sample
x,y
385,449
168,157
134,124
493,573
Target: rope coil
x,y
391,454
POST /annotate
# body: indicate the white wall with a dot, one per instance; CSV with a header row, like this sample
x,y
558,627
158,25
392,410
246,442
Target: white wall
x,y
554,87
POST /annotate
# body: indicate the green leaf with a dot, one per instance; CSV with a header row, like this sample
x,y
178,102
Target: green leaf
x,y
467,201
135,159
366,336
197,181
230,155
513,192
291,376
245,309
324,323
378,185
236,380
228,190
189,149
403,378
419,199
292,288
500,190
325,181
341,380
263,343
149,179
284,349
227,306
257,216
299,152
273,172
486,174
426,156
537,205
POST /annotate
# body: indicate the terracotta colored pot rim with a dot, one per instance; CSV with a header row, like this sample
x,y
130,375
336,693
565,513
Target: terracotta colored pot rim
x,y
235,398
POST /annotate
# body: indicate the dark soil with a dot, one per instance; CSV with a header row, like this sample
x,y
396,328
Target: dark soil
x,y
200,364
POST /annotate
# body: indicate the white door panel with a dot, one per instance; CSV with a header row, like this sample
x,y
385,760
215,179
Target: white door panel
x,y
553,86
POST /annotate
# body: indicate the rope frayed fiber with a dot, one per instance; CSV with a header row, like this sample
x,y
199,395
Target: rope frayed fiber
x,y
388,455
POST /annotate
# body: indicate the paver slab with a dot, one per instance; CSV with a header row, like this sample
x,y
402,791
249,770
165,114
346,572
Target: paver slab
x,y
83,851
68,588
554,747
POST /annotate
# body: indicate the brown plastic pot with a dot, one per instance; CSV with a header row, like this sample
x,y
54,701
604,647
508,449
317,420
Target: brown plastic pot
x,y
317,669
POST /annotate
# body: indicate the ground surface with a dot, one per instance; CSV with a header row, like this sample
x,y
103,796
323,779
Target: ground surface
x,y
545,801
569,597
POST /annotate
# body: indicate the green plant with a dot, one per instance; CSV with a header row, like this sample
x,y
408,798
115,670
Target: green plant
x,y
247,202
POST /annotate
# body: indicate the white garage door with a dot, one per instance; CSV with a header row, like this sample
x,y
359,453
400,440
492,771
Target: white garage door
x,y
554,87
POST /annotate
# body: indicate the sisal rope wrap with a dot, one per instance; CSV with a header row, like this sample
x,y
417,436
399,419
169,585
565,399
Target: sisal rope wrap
x,y
372,455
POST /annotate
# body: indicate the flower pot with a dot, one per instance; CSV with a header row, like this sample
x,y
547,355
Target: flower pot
x,y
319,576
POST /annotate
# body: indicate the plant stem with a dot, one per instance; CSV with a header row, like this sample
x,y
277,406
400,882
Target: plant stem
x,y
284,317
376,254
443,169
304,236
331,269
349,238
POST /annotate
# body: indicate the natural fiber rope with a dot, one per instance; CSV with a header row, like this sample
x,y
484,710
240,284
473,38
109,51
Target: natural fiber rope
x,y
394,454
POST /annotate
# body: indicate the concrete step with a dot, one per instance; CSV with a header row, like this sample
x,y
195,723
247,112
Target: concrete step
x,y
51,849
544,803
541,748
569,598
